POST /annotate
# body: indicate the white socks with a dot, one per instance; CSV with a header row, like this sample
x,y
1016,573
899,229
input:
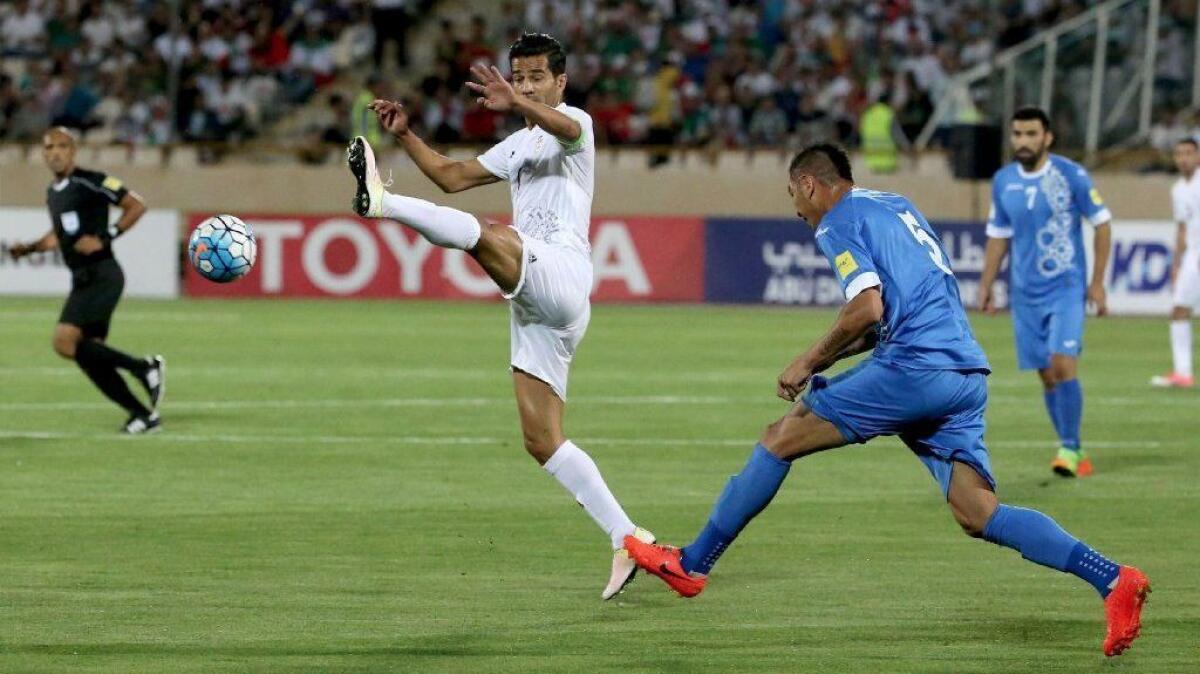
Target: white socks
x,y
441,225
1181,346
576,471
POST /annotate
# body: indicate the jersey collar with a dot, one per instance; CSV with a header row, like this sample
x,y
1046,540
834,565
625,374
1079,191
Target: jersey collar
x,y
61,184
1034,174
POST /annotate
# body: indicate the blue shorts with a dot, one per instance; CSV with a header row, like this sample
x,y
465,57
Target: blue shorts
x,y
937,413
1048,326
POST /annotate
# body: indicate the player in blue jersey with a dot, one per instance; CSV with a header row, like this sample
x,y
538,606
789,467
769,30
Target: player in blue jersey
x,y
1038,203
926,382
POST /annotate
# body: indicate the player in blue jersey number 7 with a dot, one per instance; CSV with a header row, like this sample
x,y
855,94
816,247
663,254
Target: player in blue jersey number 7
x,y
925,382
1038,204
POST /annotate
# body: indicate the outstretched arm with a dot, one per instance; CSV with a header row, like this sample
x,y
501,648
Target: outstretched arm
x,y
448,174
850,334
48,241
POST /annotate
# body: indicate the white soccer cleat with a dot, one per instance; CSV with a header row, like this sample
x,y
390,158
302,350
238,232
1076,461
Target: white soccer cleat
x,y
368,199
623,567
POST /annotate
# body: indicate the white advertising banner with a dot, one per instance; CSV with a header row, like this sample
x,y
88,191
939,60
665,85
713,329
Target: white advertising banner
x,y
148,253
1139,271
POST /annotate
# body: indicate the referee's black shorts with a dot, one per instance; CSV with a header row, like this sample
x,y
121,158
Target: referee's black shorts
x,y
95,291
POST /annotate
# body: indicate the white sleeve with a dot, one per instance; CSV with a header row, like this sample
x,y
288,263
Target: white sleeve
x,y
497,160
586,137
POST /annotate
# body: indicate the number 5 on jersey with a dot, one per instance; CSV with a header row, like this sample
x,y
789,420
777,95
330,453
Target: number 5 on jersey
x,y
923,238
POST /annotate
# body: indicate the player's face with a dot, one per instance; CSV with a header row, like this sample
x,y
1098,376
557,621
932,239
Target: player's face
x,y
59,151
1186,157
1030,141
802,190
533,80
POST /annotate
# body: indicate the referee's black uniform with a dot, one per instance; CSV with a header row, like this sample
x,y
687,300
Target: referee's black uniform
x,y
78,207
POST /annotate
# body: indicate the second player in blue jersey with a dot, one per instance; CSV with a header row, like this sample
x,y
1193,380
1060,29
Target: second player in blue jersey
x,y
925,382
1040,203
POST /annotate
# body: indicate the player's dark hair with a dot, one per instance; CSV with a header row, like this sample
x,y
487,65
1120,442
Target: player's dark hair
x,y
540,44
1030,113
824,161
1188,140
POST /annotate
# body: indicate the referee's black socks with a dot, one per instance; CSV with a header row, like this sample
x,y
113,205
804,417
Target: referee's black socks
x,y
112,384
90,352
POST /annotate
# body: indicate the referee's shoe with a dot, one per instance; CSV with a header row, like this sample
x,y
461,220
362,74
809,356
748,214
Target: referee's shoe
x,y
141,425
155,381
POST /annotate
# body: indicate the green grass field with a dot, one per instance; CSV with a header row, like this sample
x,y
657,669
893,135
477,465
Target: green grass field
x,y
341,487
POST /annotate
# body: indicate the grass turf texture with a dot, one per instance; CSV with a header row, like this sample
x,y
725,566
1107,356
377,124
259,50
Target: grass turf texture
x,y
341,487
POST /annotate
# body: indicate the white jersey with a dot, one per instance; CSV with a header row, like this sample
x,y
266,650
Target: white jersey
x,y
552,182
1185,203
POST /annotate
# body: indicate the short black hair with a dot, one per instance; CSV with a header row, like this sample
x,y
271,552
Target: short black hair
x,y
1029,113
538,44
824,161
1188,140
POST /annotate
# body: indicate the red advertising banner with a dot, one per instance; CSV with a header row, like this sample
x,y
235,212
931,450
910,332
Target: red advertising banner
x,y
636,259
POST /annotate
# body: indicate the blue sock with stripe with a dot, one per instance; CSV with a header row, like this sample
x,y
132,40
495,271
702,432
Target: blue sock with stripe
x,y
1070,412
1039,539
745,496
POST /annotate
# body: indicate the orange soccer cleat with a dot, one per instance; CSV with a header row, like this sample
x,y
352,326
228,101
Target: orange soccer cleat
x,y
664,561
1071,463
1173,380
1123,609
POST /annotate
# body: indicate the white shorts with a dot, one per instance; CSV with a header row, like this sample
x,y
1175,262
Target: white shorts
x,y
549,311
1187,284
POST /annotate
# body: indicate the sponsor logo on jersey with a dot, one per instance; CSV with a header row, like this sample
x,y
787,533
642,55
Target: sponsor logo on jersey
x,y
846,264
112,183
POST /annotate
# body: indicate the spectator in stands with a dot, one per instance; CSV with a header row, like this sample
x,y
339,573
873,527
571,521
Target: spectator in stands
x,y
361,120
23,31
390,19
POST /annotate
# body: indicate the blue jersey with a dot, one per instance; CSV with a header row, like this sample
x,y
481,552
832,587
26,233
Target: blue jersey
x,y
880,239
1041,212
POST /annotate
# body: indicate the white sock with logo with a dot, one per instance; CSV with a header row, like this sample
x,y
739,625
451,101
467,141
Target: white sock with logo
x,y
441,225
576,471
1181,346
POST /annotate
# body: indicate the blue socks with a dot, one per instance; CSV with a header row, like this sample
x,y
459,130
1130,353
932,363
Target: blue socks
x,y
1051,398
1039,539
745,495
1070,412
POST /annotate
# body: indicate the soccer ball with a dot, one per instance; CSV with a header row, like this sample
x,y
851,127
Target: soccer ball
x,y
222,248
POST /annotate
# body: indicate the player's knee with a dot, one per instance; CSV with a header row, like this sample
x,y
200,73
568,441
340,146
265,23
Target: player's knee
x,y
773,438
540,446
64,346
971,525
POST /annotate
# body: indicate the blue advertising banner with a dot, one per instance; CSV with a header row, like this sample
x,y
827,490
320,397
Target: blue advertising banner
x,y
776,261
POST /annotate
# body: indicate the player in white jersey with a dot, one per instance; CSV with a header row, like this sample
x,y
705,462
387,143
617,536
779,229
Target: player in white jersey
x,y
541,264
1185,264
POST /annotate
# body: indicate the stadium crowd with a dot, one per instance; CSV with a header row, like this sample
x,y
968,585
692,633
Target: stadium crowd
x,y
103,66
701,73
736,73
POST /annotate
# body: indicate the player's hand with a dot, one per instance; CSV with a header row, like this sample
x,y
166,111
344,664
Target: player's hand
x,y
987,303
392,116
794,380
88,244
20,250
495,92
1098,296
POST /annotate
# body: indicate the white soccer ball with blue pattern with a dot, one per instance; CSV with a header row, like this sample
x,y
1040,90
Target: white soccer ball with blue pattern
x,y
222,248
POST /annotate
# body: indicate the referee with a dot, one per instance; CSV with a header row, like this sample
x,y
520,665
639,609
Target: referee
x,y
78,200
